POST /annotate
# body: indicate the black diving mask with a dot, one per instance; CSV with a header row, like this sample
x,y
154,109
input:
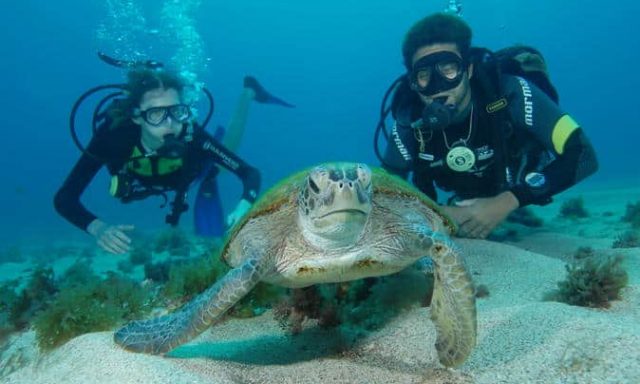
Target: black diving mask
x,y
155,116
437,72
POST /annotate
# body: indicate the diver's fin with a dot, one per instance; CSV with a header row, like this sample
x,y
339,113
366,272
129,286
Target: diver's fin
x,y
262,95
208,215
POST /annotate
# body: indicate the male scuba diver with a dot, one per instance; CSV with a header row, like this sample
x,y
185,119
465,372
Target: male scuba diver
x,y
151,144
466,125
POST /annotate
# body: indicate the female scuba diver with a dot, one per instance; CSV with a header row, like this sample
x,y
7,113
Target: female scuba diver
x,y
151,144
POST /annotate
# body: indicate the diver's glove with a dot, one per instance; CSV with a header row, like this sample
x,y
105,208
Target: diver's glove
x,y
241,209
262,95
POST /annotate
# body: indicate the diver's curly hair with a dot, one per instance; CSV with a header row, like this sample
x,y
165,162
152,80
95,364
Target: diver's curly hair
x,y
140,81
433,29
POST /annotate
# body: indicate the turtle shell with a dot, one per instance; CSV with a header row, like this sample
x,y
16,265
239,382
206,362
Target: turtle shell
x,y
286,193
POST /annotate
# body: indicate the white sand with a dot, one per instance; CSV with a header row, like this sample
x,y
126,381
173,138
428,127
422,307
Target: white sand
x,y
522,339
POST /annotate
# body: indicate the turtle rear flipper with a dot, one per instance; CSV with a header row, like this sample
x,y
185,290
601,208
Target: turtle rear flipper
x,y
160,335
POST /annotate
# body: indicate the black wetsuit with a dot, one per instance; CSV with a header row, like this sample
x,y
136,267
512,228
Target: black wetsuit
x,y
115,148
535,150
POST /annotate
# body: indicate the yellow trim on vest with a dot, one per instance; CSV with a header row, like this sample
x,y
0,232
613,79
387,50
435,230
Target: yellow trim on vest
x,y
561,132
113,187
142,165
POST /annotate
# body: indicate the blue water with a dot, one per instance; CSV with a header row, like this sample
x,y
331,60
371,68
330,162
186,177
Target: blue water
x,y
333,59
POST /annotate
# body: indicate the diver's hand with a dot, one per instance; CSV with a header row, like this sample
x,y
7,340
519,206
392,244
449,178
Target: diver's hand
x,y
241,209
476,218
111,238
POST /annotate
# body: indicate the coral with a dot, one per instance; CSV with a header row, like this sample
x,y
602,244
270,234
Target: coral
x,y
140,255
302,304
632,215
629,239
190,278
361,305
282,314
8,298
78,302
74,312
8,295
583,253
261,297
79,273
592,282
386,297
573,209
174,241
158,272
40,288
92,306
526,217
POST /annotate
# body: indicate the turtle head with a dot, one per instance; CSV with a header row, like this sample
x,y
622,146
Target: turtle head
x,y
334,204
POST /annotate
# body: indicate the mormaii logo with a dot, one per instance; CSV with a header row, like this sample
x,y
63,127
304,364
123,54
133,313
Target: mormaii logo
x,y
528,104
401,148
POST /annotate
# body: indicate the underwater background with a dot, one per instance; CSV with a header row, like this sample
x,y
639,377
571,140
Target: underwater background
x,y
332,59
558,288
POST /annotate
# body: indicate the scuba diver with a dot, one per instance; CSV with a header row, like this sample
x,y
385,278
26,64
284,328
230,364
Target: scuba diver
x,y
483,126
151,145
454,7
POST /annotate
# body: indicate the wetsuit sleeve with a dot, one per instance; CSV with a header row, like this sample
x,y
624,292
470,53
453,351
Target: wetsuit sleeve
x,y
573,155
249,175
67,199
398,156
399,159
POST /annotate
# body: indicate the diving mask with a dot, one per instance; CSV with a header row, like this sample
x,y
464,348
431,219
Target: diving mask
x,y
155,116
437,72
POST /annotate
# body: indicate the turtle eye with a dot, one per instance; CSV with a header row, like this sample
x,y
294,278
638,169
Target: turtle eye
x,y
314,187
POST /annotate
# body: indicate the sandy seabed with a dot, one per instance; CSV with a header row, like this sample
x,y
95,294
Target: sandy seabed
x,y
521,338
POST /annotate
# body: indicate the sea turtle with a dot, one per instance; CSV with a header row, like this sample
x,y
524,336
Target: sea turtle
x,y
335,222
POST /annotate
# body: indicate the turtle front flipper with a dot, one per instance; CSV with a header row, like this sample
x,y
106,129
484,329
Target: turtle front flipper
x,y
453,306
160,335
